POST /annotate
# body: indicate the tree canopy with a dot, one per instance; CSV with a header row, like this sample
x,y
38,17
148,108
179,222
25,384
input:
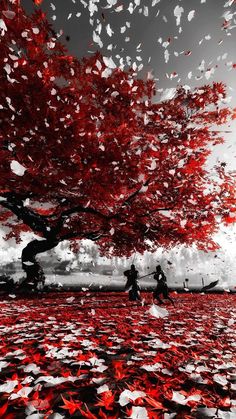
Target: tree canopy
x,y
87,151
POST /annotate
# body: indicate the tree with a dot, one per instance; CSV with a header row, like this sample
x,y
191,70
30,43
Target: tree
x,y
85,152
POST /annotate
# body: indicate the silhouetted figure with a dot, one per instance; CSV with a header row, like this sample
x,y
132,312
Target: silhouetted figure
x,y
132,284
162,288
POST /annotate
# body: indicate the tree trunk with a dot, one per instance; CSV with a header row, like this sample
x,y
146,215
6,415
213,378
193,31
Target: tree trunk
x,y
34,273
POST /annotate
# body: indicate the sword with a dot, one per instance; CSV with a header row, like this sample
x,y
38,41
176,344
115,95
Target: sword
x,y
151,273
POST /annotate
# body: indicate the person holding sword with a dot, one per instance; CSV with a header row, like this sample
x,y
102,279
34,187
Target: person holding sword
x,y
132,284
161,288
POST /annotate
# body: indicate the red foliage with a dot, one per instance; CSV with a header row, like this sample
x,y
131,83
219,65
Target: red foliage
x,y
56,360
110,163
70,405
3,409
119,372
107,400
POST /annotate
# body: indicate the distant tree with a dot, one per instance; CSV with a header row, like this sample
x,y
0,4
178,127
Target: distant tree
x,y
86,153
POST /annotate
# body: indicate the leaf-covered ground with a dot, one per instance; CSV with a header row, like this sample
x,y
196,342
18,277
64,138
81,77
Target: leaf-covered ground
x,y
98,355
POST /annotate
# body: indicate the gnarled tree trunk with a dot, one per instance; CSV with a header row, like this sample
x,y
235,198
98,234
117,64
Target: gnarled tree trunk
x,y
34,273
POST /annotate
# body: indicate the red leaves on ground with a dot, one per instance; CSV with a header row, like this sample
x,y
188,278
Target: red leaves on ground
x,y
154,403
86,413
103,415
57,351
107,400
119,372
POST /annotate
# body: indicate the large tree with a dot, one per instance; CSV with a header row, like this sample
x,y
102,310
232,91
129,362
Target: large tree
x,y
85,152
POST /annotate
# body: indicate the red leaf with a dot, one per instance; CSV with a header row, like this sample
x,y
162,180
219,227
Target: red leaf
x,y
87,414
70,405
3,409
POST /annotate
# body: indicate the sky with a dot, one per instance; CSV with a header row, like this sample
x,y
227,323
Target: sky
x,y
190,30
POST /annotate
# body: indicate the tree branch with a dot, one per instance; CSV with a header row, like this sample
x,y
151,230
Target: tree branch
x,y
135,193
156,210
82,209
90,235
35,221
